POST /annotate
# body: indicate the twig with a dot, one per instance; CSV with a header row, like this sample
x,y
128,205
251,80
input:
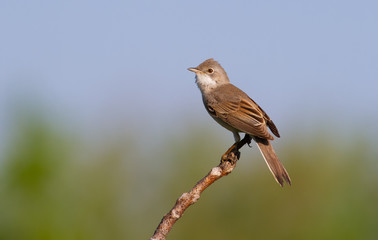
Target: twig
x,y
226,166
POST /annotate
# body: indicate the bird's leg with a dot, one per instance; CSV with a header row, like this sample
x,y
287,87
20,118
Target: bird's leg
x,y
246,140
236,146
237,140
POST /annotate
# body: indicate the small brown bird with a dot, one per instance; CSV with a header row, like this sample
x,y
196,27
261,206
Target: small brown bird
x,y
234,110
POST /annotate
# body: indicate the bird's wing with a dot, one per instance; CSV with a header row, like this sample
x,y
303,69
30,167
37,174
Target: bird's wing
x,y
239,111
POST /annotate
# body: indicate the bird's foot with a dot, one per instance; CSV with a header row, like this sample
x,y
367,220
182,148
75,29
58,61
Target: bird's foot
x,y
232,149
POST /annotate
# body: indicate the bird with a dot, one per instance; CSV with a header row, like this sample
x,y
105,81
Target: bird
x,y
237,112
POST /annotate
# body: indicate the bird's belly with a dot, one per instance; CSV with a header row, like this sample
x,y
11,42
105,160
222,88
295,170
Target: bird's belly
x,y
225,125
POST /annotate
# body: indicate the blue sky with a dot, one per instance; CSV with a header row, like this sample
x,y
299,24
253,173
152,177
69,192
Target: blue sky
x,y
96,63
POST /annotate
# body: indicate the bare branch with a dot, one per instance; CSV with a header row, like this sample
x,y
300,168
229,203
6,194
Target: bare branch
x,y
226,166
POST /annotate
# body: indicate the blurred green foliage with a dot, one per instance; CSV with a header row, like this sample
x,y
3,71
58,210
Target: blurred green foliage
x,y
56,185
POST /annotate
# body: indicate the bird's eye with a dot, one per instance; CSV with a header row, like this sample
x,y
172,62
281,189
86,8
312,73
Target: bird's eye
x,y
210,70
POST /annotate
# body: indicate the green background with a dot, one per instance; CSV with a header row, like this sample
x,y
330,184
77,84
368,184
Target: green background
x,y
55,185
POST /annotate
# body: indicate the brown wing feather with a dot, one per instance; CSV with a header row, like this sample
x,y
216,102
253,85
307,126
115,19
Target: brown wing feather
x,y
269,122
235,108
249,120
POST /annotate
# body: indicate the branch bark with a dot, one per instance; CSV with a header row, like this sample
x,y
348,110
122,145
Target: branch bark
x,y
227,164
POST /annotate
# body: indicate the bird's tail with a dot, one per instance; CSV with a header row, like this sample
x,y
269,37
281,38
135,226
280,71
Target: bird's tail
x,y
275,166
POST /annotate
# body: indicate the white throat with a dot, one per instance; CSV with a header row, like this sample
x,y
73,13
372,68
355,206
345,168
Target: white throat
x,y
205,83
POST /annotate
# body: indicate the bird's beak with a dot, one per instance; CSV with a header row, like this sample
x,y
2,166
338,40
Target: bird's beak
x,y
195,70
